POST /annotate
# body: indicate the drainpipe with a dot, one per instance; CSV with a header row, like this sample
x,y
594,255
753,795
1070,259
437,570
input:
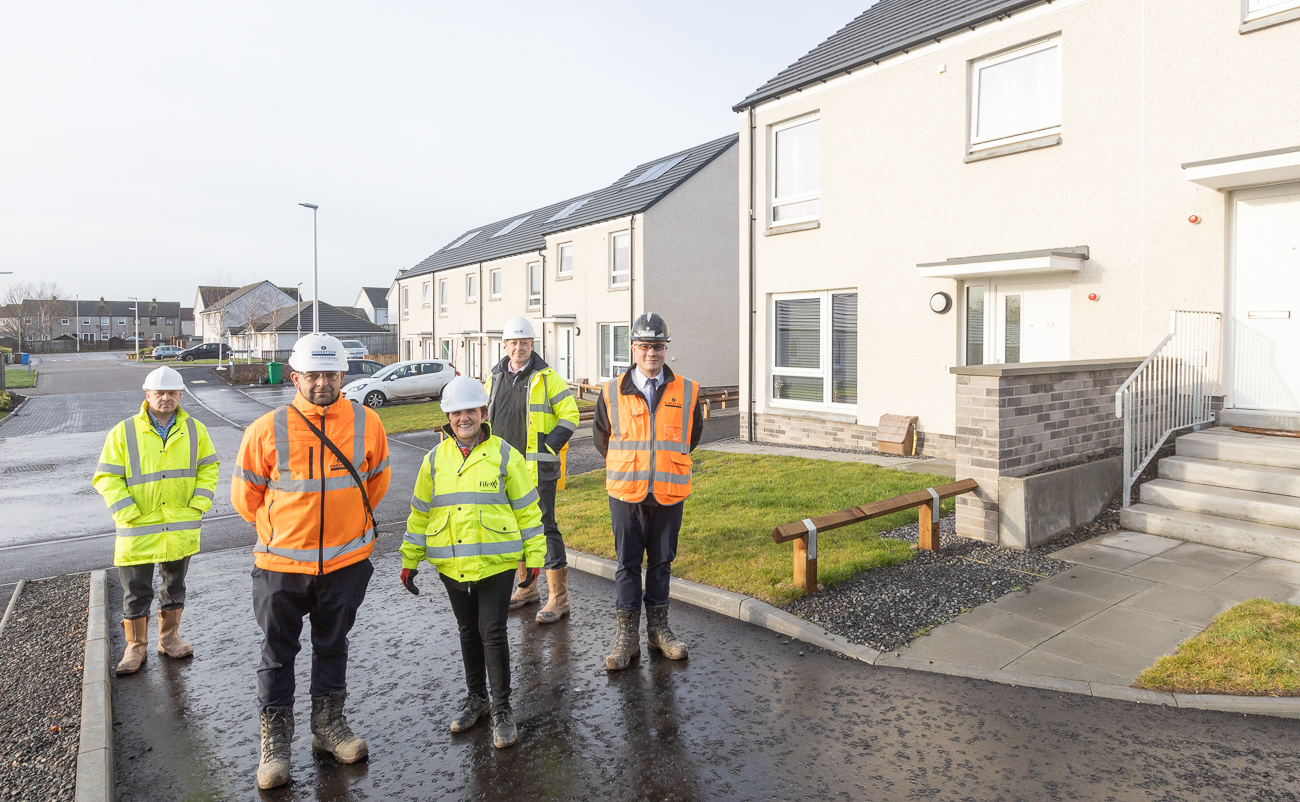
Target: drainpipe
x,y
542,287
631,271
752,312
479,300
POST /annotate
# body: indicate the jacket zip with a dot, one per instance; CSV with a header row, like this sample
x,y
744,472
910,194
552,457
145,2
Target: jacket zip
x,y
311,463
320,549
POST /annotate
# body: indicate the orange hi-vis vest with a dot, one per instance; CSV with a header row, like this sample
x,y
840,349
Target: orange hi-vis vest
x,y
309,513
650,450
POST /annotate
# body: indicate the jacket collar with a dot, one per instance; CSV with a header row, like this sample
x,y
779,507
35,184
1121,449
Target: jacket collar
x,y
477,452
177,419
627,386
308,408
535,364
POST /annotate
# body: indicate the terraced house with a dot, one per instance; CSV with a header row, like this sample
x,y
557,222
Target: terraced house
x,y
662,238
983,213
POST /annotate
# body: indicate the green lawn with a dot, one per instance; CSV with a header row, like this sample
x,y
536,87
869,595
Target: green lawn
x,y
1251,649
400,418
738,499
18,378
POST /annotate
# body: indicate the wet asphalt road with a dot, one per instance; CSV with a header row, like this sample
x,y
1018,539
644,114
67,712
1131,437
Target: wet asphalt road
x,y
750,715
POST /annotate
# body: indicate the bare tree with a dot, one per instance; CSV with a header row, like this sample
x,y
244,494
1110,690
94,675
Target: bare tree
x,y
45,294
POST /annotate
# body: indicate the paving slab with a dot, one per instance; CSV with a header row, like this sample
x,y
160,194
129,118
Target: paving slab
x,y
1194,607
1109,657
1243,587
1096,583
1274,568
1052,606
1138,541
1051,665
1106,558
882,460
1172,572
988,618
957,643
1136,630
1210,556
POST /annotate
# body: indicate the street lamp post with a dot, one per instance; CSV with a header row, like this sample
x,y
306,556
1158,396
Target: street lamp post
x,y
77,310
315,272
298,310
136,342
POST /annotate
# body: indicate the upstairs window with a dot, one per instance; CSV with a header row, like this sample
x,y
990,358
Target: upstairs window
x,y
169,322
426,293
1258,9
63,321
565,266
442,296
1016,96
494,281
85,321
535,285
471,287
796,171
103,321
620,259
406,303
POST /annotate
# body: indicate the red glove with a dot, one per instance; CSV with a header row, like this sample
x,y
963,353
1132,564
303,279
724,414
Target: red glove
x,y
408,580
533,573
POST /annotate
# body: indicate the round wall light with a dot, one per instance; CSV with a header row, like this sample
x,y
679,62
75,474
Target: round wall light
x,y
940,302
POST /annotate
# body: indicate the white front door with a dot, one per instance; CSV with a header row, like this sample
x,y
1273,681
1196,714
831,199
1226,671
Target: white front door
x,y
564,352
474,346
1264,326
1013,323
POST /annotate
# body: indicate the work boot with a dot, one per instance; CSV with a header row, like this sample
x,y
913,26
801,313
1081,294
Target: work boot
x,y
277,737
557,606
474,707
330,731
523,596
170,642
504,731
137,645
658,635
626,648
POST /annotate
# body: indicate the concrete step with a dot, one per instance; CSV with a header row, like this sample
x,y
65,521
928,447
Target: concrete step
x,y
1226,445
1241,475
1225,502
1260,419
1225,533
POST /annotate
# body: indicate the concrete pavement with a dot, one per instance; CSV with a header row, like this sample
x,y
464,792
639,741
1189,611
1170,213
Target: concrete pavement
x,y
942,467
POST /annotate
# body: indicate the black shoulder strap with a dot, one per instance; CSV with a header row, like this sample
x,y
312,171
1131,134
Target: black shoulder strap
x,y
356,477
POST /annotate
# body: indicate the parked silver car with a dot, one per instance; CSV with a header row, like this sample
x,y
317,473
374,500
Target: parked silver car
x,y
167,352
402,381
356,349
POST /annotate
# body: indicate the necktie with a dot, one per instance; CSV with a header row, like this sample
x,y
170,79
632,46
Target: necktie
x,y
650,391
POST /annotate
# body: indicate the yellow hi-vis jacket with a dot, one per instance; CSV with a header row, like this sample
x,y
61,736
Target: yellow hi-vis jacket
x,y
552,412
476,516
155,491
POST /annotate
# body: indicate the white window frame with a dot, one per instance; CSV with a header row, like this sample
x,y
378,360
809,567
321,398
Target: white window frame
x,y
101,337
824,372
994,303
63,321
103,321
534,270
494,283
442,297
614,275
446,348
1250,16
607,340
426,294
405,302
85,321
471,288
978,145
560,251
157,335
406,350
772,200
121,321
169,322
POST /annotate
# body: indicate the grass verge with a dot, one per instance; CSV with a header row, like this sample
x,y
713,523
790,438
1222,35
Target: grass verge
x,y
1251,649
18,378
736,501
399,418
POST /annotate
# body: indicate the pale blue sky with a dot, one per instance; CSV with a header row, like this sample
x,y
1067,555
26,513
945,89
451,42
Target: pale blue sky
x,y
154,146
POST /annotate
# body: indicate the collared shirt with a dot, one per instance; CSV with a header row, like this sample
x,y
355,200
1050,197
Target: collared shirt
x,y
642,381
162,430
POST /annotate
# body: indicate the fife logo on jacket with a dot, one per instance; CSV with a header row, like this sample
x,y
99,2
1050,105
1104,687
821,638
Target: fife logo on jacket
x,y
485,484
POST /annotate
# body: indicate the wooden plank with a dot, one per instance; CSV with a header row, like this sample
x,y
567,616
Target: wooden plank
x,y
805,570
853,515
929,527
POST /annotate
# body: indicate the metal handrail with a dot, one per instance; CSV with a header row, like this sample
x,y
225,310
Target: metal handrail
x,y
1171,390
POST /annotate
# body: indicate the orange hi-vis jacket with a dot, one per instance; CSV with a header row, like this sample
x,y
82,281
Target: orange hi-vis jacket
x,y
309,513
649,451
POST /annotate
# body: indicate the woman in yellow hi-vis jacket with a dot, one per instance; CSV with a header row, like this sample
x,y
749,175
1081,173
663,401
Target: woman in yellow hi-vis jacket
x,y
474,516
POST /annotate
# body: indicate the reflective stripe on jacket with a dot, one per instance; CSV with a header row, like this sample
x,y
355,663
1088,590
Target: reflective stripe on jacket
x,y
309,513
649,451
475,516
156,491
552,412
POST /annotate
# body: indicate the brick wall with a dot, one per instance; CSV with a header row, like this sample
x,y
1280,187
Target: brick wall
x,y
800,431
1015,419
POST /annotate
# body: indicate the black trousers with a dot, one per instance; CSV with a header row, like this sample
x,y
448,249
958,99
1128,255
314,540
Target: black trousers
x,y
647,529
555,555
280,600
480,609
137,587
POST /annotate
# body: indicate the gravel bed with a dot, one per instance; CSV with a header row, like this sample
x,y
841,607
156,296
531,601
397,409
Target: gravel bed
x,y
40,702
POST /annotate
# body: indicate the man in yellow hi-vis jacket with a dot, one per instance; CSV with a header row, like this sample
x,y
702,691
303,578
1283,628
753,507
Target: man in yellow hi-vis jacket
x,y
157,474
474,515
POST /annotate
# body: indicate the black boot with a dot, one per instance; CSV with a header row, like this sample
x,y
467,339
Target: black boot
x,y
658,635
277,737
330,731
626,648
504,731
473,707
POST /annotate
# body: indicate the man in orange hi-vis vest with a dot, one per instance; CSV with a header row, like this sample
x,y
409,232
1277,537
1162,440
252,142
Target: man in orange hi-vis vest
x,y
309,475
647,423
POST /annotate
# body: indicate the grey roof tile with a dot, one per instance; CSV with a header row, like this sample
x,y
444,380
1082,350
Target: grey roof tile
x,y
377,296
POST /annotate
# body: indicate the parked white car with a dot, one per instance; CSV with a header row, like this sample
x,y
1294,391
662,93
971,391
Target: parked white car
x,y
356,349
402,381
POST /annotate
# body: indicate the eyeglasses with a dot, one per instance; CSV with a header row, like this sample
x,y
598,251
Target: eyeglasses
x,y
656,347
329,376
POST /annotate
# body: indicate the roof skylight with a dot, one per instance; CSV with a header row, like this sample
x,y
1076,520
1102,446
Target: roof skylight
x,y
658,170
471,235
568,210
511,227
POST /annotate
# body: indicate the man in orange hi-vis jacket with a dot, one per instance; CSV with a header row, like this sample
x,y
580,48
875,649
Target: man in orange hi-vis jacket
x,y
309,475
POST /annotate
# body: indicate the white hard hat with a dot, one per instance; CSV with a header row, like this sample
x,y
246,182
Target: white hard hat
x,y
318,353
163,378
518,328
463,392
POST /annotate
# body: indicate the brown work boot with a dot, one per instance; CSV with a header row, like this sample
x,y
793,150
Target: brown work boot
x,y
137,645
658,635
557,606
277,738
170,642
524,596
330,731
626,648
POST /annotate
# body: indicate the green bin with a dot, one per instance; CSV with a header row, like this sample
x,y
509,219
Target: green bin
x,y
274,372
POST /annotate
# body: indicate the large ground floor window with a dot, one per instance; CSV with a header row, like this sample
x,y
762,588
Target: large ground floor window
x,y
1013,322
814,349
615,351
